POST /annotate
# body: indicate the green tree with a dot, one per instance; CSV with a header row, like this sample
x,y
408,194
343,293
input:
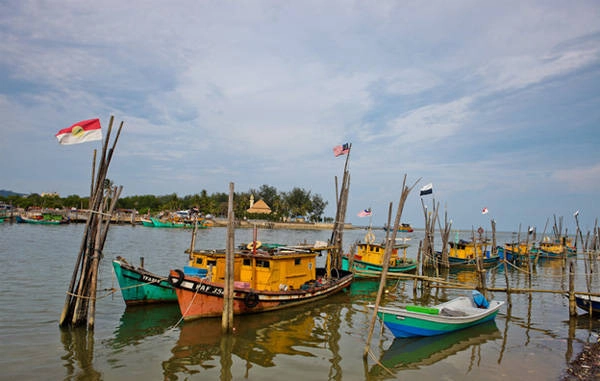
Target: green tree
x,y
298,202
318,206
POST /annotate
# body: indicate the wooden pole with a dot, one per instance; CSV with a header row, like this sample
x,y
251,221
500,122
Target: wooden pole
x,y
389,247
572,304
227,318
81,294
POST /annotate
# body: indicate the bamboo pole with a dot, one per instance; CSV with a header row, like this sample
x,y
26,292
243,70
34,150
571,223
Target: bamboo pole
x,y
81,299
227,317
572,304
389,246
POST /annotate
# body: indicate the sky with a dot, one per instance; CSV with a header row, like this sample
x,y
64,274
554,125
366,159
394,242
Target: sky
x,y
497,104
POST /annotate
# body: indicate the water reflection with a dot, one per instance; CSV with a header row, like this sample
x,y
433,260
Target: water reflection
x,y
412,353
256,340
79,357
140,322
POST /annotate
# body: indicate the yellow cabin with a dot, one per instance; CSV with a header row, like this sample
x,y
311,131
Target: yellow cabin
x,y
373,253
557,246
214,260
466,250
280,271
518,248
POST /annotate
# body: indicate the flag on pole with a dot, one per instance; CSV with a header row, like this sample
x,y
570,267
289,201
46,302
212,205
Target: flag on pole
x,y
365,213
341,149
576,214
427,189
80,132
485,211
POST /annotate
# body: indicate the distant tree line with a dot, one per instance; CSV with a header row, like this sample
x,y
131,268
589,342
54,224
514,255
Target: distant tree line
x,y
284,205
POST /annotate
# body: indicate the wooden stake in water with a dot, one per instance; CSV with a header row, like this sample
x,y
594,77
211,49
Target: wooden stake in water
x,y
80,302
227,316
389,247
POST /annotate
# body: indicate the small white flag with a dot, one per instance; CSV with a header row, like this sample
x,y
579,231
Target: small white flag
x,y
484,211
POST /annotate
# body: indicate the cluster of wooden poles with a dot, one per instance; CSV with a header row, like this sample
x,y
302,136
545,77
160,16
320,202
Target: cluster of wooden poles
x,y
426,257
80,304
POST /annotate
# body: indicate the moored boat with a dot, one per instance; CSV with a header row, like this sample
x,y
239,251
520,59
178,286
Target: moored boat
x,y
464,254
139,286
43,219
515,252
404,228
369,259
147,222
265,280
454,315
557,248
588,303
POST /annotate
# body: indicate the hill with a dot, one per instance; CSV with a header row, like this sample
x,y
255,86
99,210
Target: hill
x,y
7,193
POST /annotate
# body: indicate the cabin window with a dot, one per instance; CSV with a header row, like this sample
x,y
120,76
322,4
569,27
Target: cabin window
x,y
247,262
297,261
261,263
211,263
198,261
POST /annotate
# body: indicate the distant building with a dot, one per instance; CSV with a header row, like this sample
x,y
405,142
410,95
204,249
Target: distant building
x,y
50,194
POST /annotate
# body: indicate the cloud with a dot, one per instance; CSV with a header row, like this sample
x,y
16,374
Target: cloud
x,y
582,179
427,124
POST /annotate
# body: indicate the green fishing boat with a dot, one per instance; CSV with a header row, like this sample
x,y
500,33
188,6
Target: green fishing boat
x,y
139,286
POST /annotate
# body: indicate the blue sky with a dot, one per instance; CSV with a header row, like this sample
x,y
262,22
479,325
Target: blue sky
x,y
495,103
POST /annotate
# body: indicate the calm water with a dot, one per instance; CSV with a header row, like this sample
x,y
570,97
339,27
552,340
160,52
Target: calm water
x,y
533,339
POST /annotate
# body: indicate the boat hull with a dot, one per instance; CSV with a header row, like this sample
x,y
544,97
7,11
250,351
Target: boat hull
x,y
200,298
21,219
404,323
585,301
139,286
366,269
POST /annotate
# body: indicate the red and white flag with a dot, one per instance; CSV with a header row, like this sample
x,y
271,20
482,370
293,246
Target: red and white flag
x,y
341,149
365,213
484,211
80,132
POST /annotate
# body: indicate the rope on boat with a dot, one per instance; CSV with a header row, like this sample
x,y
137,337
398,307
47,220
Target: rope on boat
x,y
111,291
186,311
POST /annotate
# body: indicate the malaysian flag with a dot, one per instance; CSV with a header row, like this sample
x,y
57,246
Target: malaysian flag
x,y
365,213
341,149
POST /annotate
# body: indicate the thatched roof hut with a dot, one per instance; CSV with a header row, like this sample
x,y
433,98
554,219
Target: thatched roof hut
x,y
259,207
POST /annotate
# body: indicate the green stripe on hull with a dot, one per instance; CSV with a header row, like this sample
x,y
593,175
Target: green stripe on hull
x,y
142,287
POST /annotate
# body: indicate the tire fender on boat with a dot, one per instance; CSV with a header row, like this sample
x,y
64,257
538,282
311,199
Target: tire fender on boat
x,y
250,246
176,281
251,300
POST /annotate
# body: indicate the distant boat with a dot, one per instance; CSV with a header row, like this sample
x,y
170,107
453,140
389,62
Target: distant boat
x,y
147,222
369,257
548,248
515,252
464,254
404,228
167,223
43,219
173,223
454,315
